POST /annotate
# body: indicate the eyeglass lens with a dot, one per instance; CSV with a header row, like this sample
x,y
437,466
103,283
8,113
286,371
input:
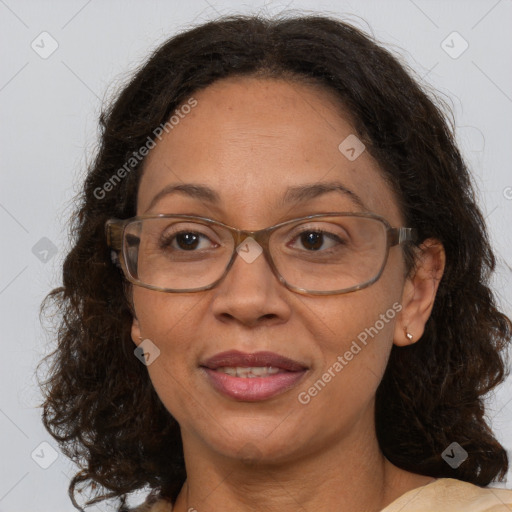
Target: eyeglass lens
x,y
322,254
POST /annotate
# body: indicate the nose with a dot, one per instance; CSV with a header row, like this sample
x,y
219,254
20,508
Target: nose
x,y
250,293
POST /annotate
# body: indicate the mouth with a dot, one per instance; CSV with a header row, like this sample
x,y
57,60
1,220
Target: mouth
x,y
252,377
249,373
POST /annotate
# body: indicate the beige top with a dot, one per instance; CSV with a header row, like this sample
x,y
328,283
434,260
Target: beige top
x,y
451,495
441,495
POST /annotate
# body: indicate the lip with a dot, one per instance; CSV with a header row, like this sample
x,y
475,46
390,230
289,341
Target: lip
x,y
236,358
253,389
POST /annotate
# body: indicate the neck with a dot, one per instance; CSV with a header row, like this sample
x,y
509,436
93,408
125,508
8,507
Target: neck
x,y
347,474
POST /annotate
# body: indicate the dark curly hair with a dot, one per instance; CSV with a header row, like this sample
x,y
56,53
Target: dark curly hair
x,y
99,402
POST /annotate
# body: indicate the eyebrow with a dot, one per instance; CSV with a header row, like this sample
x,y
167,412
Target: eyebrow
x,y
295,194
193,190
310,191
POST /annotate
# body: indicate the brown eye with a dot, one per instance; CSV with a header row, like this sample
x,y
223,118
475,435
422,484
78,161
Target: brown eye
x,y
187,241
316,240
312,239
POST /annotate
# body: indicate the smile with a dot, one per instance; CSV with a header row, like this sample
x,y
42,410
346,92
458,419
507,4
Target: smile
x,y
252,377
251,372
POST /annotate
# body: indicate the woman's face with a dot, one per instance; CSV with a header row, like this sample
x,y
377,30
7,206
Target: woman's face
x,y
249,140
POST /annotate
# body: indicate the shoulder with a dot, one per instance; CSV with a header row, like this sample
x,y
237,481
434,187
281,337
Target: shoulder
x,y
443,495
451,495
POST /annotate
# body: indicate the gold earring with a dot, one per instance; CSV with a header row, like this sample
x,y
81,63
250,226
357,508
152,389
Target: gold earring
x,y
408,335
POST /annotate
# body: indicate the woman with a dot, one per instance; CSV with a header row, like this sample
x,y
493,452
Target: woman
x,y
337,360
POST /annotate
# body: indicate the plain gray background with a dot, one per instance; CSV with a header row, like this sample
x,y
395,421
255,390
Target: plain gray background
x,y
49,108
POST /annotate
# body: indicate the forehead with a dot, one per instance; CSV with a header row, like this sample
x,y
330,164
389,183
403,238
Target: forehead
x,y
250,140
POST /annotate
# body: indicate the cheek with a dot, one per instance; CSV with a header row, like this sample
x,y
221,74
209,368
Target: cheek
x,y
164,316
360,330
354,334
169,322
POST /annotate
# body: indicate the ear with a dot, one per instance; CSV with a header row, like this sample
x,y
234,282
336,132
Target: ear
x,y
135,332
419,292
136,335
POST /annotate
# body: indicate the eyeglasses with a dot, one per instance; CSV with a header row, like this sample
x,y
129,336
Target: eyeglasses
x,y
321,254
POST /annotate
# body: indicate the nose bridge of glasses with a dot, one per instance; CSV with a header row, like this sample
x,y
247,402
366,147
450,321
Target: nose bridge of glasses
x,y
260,236
250,253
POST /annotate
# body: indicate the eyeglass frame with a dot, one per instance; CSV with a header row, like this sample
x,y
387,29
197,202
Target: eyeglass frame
x,y
115,228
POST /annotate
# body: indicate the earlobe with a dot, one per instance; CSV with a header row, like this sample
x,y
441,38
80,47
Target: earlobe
x,y
135,330
419,292
136,336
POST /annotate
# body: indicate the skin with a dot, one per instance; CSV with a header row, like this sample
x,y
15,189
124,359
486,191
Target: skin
x,y
249,139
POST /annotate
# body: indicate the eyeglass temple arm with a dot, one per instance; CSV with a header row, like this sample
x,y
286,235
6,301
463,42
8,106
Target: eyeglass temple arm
x,y
114,237
401,235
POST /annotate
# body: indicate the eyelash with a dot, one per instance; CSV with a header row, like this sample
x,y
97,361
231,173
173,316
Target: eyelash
x,y
167,240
